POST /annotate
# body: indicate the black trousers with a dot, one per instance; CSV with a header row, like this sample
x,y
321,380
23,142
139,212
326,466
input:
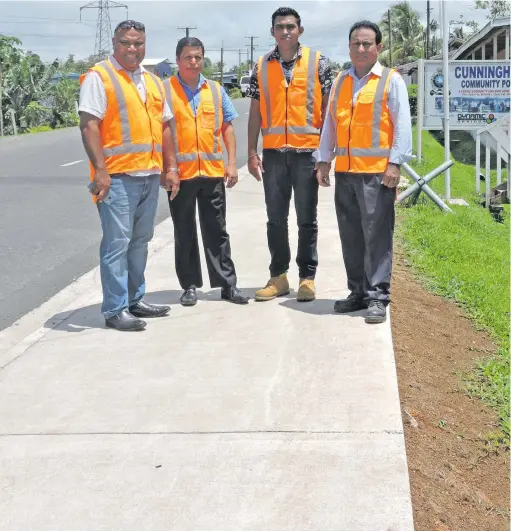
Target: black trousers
x,y
209,194
365,215
285,173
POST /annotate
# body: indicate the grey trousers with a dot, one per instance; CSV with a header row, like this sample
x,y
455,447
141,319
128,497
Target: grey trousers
x,y
365,215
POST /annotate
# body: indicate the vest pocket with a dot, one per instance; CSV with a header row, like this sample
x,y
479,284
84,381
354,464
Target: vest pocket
x,y
363,114
208,116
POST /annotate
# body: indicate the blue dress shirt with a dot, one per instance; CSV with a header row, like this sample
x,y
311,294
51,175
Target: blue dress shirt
x,y
194,98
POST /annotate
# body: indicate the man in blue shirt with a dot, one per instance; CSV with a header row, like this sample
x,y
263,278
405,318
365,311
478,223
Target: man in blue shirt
x,y
203,114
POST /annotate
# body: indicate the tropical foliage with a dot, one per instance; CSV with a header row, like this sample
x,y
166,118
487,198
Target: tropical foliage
x,y
27,89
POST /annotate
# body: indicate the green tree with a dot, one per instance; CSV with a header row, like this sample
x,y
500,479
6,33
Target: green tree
x,y
407,35
207,67
495,8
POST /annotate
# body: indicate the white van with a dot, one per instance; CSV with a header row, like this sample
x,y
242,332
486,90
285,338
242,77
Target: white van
x,y
244,84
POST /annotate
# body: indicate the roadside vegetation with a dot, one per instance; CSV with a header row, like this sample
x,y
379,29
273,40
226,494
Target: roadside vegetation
x,y
465,257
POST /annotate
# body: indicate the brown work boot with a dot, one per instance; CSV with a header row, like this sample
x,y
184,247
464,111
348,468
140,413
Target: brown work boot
x,y
306,291
275,287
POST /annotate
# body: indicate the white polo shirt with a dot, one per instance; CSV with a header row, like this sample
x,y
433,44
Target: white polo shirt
x,y
93,100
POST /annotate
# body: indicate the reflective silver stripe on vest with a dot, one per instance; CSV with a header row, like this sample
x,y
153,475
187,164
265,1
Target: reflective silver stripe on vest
x,y
375,150
168,97
190,157
309,105
128,148
215,90
211,156
156,82
337,90
378,107
273,130
303,130
311,71
186,157
339,151
121,104
158,148
370,152
266,92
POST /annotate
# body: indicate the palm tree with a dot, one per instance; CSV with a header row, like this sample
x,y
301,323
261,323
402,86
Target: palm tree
x,y
407,35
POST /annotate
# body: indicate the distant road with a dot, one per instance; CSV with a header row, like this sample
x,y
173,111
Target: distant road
x,y
49,227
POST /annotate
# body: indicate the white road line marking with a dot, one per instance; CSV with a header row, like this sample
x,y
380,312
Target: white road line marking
x,y
71,163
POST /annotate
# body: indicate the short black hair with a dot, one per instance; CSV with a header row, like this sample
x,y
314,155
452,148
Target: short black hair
x,y
285,12
367,25
188,41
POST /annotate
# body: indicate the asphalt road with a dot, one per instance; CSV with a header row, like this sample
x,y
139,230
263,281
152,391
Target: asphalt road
x,y
49,227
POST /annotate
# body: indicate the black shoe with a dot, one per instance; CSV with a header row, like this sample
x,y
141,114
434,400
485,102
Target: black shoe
x,y
189,297
233,294
125,322
144,309
376,312
353,303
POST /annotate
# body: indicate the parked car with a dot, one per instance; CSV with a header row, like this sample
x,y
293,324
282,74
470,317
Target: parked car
x,y
244,84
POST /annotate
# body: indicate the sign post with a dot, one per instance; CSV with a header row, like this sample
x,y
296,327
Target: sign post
x,y
420,109
447,131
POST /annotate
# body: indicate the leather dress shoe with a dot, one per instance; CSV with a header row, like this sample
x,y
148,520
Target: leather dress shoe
x,y
353,303
233,294
125,322
376,312
144,309
189,297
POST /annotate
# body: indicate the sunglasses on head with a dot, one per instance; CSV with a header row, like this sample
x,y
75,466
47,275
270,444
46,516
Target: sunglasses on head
x,y
128,24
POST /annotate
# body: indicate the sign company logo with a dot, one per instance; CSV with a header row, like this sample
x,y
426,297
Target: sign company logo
x,y
491,118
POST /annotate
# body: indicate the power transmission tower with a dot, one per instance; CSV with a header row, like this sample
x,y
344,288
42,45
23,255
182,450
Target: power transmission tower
x,y
252,37
187,29
103,46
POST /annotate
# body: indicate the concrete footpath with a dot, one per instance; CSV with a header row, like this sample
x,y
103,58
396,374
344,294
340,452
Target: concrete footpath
x,y
271,416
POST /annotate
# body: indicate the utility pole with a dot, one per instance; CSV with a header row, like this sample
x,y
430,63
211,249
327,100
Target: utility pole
x,y
390,40
428,9
222,64
103,45
222,50
187,30
252,37
240,53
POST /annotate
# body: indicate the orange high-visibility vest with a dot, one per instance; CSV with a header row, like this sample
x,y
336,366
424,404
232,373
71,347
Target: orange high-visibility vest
x,y
197,138
131,131
364,130
290,115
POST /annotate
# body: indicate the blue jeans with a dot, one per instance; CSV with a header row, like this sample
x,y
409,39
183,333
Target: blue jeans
x,y
128,226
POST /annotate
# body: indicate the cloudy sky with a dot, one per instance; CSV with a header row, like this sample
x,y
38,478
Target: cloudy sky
x,y
53,29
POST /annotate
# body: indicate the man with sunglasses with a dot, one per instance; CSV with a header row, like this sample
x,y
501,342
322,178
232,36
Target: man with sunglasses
x,y
124,121
368,130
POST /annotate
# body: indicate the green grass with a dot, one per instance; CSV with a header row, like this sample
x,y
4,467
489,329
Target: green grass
x,y
465,257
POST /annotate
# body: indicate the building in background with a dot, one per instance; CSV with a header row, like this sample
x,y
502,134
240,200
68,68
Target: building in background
x,y
161,67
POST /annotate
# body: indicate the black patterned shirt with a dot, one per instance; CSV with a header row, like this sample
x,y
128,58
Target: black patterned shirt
x,y
324,75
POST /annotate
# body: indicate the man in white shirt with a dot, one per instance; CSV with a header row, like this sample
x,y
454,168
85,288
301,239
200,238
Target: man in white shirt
x,y
124,121
368,131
